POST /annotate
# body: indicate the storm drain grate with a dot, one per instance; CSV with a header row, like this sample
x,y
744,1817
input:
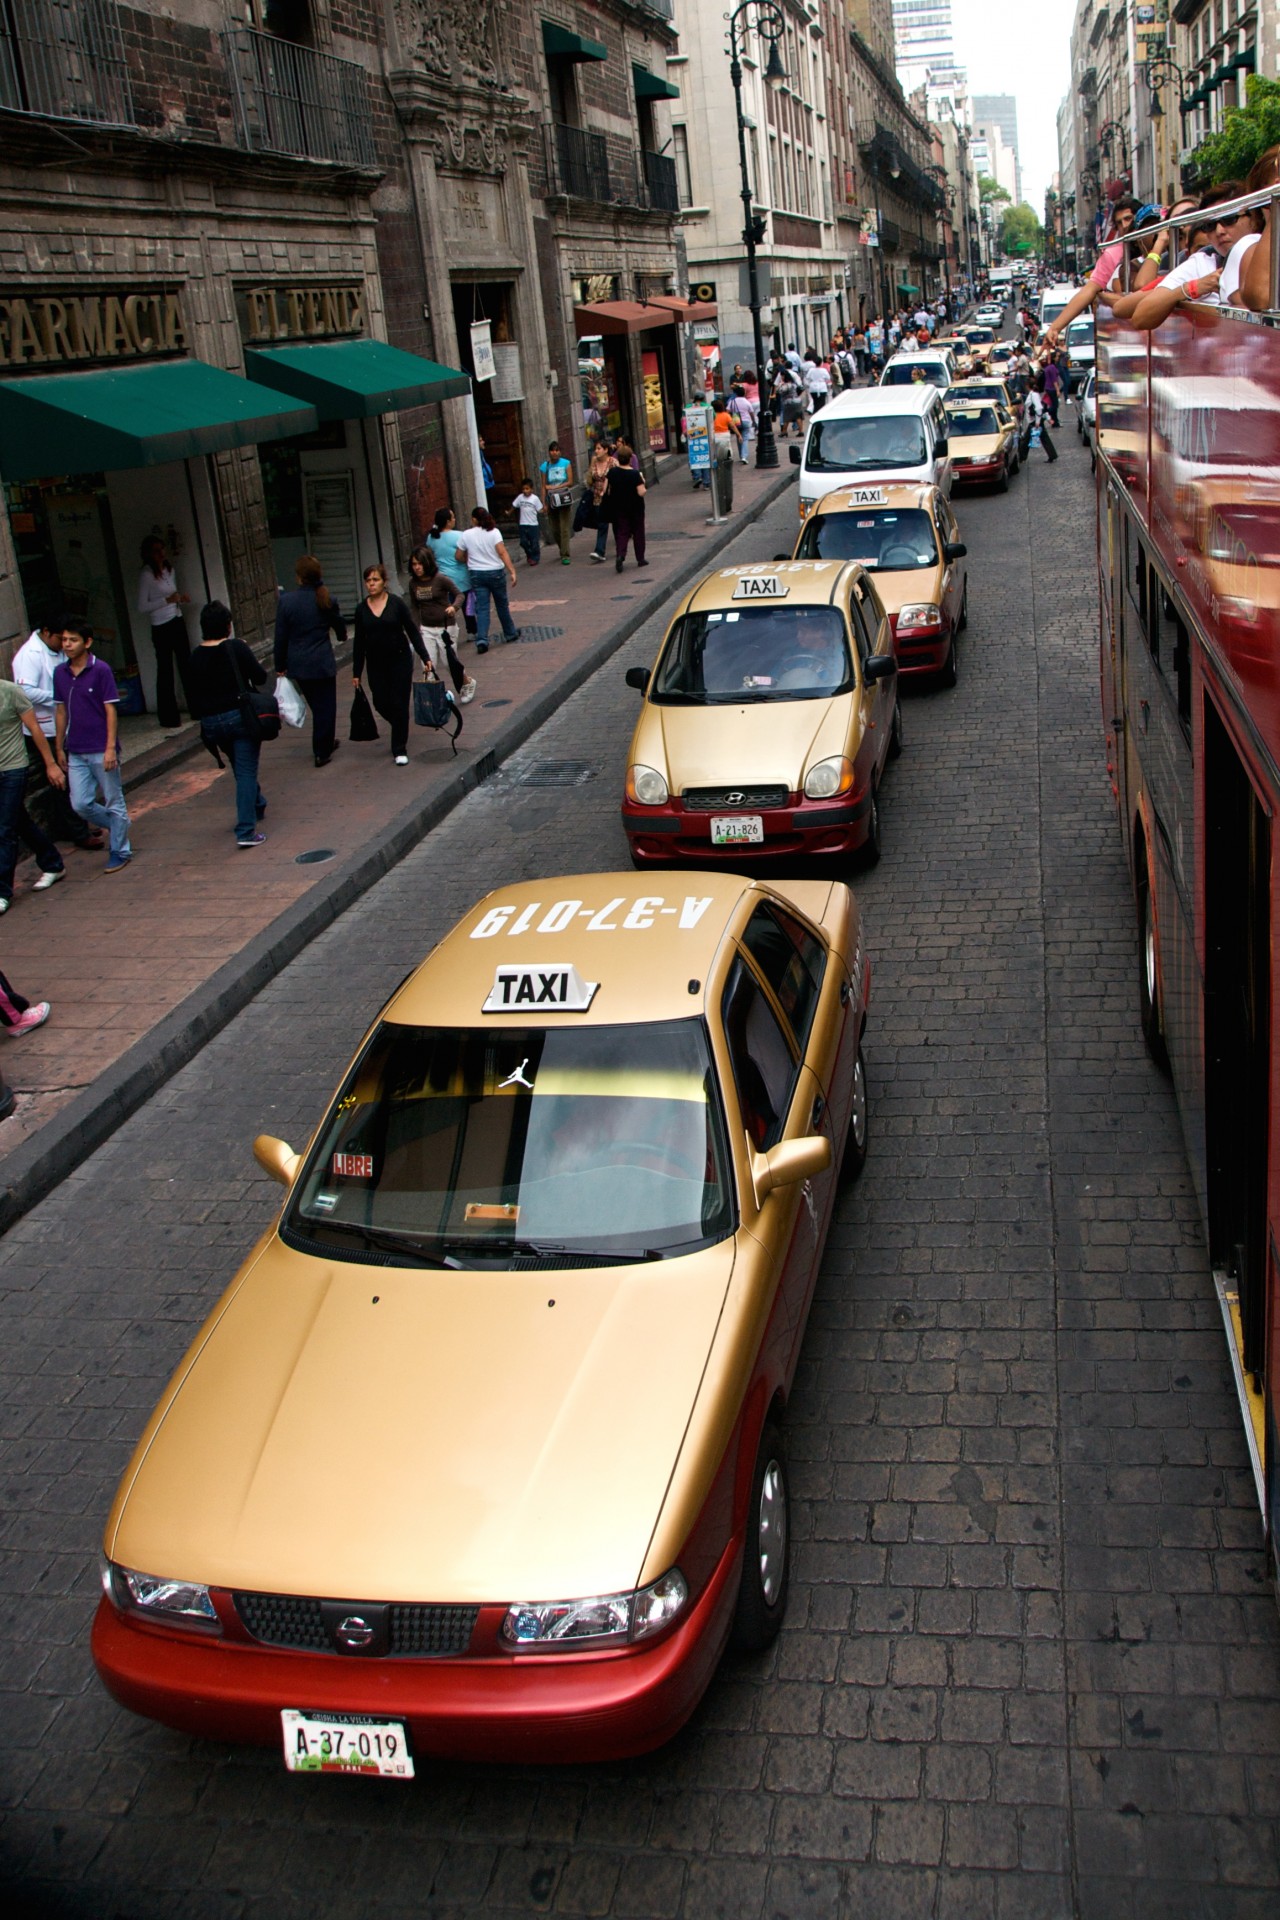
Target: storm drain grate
x,y
539,633
554,773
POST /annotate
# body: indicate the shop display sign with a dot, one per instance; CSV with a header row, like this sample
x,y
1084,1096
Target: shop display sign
x,y
697,427
482,350
300,313
654,416
74,329
508,381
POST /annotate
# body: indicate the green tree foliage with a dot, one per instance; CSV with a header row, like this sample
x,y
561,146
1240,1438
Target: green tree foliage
x,y
989,189
1021,233
1247,132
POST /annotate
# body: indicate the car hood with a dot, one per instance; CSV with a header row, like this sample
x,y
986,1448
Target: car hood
x,y
768,744
978,446
897,590
391,1434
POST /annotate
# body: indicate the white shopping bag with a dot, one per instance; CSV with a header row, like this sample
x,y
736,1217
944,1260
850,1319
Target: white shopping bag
x,y
293,708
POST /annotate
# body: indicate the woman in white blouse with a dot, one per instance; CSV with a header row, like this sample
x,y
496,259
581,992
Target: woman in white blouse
x,y
159,599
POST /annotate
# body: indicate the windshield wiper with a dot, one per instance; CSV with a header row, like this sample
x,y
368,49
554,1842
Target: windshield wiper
x,y
553,1250
384,1240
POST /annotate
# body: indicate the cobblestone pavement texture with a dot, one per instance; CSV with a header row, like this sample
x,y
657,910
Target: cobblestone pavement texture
x,y
1031,1664
191,901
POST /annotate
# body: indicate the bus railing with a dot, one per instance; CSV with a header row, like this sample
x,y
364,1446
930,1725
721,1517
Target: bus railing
x,y
1266,198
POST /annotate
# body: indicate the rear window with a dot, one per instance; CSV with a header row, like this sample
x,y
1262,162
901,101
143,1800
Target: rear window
x,y
974,420
865,444
1080,332
914,371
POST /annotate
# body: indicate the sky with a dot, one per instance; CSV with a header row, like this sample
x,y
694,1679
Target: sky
x,y
1021,47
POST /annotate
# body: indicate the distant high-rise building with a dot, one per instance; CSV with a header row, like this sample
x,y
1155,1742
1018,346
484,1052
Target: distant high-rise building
x,y
1001,109
922,40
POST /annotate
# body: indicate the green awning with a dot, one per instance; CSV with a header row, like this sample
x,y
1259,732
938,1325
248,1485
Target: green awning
x,y
354,379
905,286
559,43
649,87
137,416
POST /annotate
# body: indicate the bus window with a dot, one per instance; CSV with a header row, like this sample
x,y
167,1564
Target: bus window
x,y
1136,573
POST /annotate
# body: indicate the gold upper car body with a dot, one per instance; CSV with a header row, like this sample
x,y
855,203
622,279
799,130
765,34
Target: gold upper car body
x,y
983,439
766,674
958,347
390,1399
908,536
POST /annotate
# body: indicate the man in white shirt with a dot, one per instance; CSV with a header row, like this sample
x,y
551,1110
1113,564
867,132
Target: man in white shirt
x,y
32,670
817,381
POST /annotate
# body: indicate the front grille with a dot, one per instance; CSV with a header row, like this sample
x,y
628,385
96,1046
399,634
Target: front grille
x,y
283,1620
735,799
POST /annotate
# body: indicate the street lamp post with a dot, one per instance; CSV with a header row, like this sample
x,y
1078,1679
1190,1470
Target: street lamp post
x,y
1164,71
767,19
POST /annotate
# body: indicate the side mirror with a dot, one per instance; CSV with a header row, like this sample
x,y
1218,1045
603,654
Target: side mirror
x,y
941,447
954,550
276,1158
878,667
782,556
795,456
638,677
790,1162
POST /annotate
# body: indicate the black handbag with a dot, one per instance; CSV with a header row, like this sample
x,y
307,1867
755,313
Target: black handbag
x,y
434,706
363,724
259,710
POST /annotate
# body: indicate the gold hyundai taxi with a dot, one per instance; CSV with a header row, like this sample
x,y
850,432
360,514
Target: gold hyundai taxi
x,y
959,349
480,1453
984,444
995,388
767,720
908,537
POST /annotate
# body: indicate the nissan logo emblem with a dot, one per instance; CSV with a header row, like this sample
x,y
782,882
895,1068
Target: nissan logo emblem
x,y
354,1631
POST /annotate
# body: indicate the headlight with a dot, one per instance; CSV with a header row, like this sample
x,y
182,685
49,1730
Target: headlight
x,y
806,508
828,778
162,1599
920,614
605,1617
646,786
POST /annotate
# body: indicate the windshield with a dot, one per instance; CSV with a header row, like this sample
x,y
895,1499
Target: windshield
x,y
474,1144
756,654
974,420
994,392
1080,333
865,444
897,541
980,336
902,373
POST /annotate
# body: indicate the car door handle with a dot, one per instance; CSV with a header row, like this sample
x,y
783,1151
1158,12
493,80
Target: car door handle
x,y
816,1112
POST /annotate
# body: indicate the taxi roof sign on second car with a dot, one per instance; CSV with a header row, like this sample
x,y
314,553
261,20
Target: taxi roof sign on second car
x,y
760,586
554,988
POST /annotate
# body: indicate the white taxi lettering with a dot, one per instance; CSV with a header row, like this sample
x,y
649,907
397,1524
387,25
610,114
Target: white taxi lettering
x,y
693,909
492,922
642,913
525,918
557,918
558,988
760,586
599,924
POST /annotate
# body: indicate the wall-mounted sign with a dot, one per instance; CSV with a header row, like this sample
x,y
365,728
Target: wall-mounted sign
x,y
508,382
300,313
482,350
71,329
705,291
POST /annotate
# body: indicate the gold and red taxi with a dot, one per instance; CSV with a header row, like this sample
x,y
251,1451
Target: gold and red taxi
x,y
981,340
984,443
908,537
993,387
480,1453
767,720
959,349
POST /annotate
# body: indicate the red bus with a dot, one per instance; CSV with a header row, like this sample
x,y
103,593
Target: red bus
x,y
1188,438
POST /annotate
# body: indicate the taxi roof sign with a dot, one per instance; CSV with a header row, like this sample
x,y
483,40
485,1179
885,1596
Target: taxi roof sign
x,y
760,586
867,496
555,987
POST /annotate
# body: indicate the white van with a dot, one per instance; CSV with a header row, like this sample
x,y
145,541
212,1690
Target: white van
x,y
1052,302
934,364
875,434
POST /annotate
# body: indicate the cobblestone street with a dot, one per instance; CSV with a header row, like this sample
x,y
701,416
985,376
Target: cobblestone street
x,y
1031,1667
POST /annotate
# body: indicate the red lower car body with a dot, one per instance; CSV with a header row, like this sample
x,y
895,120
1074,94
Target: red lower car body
x,y
980,474
921,652
674,835
589,1706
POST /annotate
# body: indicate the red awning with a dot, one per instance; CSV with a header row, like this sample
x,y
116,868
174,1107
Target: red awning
x,y
621,316
685,309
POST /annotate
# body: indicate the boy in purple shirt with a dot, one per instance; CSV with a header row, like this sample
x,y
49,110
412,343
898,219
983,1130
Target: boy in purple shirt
x,y
85,697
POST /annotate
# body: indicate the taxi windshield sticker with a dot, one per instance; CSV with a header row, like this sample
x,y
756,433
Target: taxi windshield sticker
x,y
491,1213
353,1166
760,586
553,988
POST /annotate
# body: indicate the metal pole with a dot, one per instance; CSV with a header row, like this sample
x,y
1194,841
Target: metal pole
x,y
766,447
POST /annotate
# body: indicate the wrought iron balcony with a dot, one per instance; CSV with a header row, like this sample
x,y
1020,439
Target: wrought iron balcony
x,y
291,99
660,182
582,164
65,62
665,9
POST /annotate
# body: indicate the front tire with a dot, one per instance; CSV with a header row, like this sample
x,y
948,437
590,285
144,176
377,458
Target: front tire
x,y
963,620
895,732
766,1557
854,1157
871,849
950,667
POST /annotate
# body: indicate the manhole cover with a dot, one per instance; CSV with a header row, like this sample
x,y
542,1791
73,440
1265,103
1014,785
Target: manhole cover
x,y
310,859
539,633
555,773
495,703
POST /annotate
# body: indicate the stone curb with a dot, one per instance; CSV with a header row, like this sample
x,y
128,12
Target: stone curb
x,y
33,1169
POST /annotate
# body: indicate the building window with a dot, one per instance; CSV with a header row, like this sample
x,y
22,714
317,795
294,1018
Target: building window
x,y
680,153
286,19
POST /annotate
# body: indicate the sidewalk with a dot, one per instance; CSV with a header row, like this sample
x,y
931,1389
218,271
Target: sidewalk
x,y
143,966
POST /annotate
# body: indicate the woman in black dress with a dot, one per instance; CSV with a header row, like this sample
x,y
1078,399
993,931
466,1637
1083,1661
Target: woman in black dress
x,y
385,630
307,625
